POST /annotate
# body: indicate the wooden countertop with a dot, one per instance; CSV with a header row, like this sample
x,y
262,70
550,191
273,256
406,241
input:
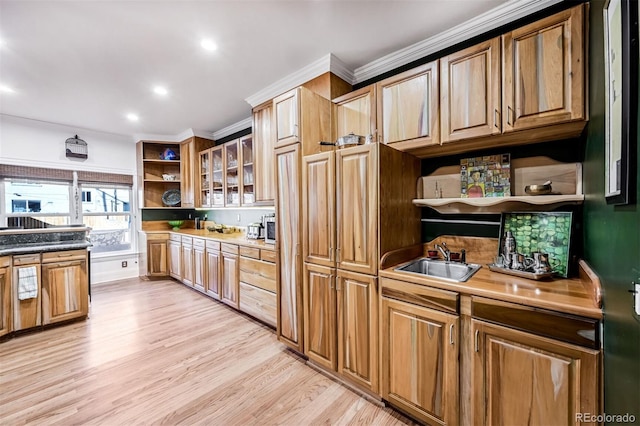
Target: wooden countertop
x,y
572,296
239,238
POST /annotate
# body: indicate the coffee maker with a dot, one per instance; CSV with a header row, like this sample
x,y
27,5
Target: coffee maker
x,y
255,231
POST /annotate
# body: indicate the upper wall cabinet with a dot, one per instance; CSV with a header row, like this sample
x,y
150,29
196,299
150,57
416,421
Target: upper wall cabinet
x,y
264,159
470,92
355,112
544,72
302,116
408,108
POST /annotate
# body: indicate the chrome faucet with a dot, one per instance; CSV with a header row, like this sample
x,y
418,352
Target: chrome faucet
x,y
446,253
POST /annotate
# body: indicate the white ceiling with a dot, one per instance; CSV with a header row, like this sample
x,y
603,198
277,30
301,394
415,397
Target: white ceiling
x,y
89,63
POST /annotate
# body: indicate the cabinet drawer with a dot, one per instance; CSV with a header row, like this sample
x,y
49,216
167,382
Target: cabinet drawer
x,y
198,243
556,325
175,237
251,252
258,303
187,240
229,248
441,300
258,273
57,256
26,259
268,255
157,236
213,245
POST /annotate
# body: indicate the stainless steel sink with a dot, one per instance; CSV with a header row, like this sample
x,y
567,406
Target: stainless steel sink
x,y
451,271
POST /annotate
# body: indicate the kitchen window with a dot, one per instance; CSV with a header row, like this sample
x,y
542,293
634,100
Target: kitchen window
x,y
107,210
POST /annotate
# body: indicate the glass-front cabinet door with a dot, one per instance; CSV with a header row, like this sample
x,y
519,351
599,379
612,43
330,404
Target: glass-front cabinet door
x,y
248,192
205,178
231,174
217,176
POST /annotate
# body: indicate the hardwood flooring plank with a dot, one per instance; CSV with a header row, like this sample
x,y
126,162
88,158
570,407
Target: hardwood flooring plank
x,y
158,353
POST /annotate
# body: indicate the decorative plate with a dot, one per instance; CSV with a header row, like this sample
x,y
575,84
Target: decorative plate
x,y
171,197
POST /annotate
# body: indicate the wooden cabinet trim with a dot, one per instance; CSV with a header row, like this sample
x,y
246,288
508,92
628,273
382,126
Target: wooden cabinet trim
x,y
441,300
229,248
556,325
251,252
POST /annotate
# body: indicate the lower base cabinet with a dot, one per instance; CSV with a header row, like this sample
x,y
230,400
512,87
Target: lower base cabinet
x,y
420,348
214,267
521,378
199,264
230,272
257,287
319,306
5,295
65,292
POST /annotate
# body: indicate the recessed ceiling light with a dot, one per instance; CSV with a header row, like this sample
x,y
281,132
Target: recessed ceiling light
x,y
159,90
208,44
132,117
6,89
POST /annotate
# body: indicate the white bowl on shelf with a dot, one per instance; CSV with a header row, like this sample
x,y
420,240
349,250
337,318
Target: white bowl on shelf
x,y
168,177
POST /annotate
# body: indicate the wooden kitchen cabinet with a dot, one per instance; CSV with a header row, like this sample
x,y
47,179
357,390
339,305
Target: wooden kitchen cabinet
x,y
318,209
407,108
264,143
357,209
65,290
175,256
231,154
470,92
151,167
213,280
288,244
302,116
157,265
355,113
357,296
420,348
520,378
320,316
186,254
230,275
257,288
544,72
27,313
5,295
199,264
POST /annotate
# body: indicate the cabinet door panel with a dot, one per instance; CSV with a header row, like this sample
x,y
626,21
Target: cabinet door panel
x,y
212,284
358,328
420,361
408,108
26,313
522,378
264,162
320,315
356,113
199,269
230,279
357,209
187,264
187,178
319,233
288,242
157,258
175,262
286,116
470,91
64,291
5,300
544,72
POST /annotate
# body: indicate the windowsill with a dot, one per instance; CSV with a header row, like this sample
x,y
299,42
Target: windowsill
x,y
114,254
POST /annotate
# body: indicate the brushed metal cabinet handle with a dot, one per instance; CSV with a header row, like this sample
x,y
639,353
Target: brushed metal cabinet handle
x,y
476,340
509,113
496,113
451,334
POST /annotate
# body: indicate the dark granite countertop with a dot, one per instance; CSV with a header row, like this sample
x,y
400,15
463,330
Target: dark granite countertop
x,y
7,250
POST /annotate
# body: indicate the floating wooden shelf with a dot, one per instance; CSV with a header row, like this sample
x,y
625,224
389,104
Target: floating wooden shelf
x,y
498,204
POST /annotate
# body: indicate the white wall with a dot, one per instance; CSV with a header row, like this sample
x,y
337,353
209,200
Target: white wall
x,y
35,143
39,144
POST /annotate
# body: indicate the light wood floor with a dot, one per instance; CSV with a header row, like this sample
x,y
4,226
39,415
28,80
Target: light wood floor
x,y
159,353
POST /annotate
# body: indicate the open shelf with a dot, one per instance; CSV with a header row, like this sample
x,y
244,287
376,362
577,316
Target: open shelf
x,y
493,205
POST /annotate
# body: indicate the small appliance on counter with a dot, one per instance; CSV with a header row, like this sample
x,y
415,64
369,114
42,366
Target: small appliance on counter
x,y
255,231
269,224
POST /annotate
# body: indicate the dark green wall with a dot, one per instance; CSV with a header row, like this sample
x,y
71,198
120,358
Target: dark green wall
x,y
611,245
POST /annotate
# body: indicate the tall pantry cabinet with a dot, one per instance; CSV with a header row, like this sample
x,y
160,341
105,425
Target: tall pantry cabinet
x,y
302,120
344,236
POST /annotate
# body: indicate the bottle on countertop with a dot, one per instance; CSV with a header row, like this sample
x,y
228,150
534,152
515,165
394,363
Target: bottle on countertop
x,y
509,247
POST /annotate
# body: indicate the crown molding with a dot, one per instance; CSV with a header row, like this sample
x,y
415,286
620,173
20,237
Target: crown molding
x,y
236,127
507,12
328,63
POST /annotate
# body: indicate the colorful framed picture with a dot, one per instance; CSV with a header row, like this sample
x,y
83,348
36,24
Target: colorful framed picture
x,y
546,232
488,176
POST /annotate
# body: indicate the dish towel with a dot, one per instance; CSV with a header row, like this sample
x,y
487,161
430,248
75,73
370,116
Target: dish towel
x,y
27,283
